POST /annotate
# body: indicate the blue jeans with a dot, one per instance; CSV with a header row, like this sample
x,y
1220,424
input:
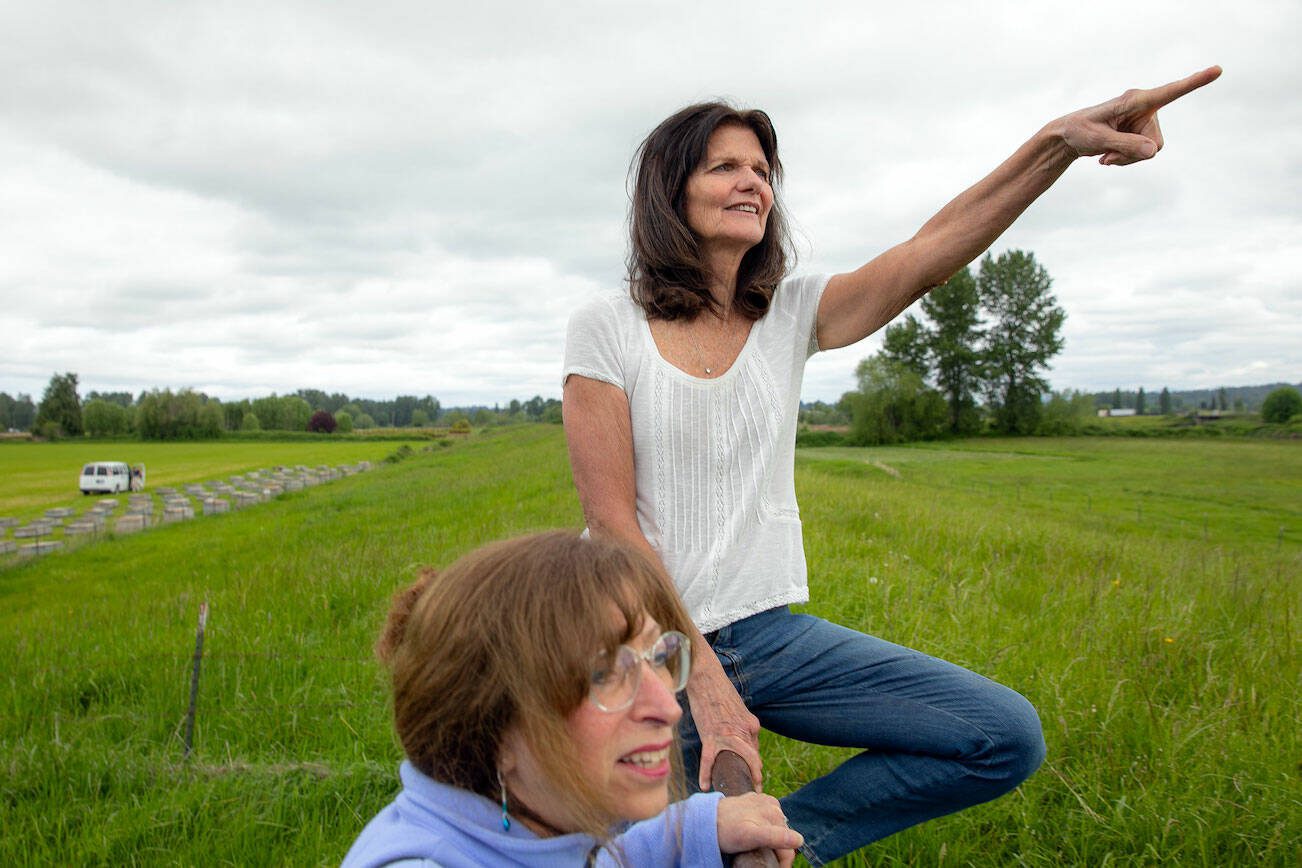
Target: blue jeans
x,y
937,737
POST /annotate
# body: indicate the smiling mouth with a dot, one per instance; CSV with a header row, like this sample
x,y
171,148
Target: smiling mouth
x,y
647,759
748,209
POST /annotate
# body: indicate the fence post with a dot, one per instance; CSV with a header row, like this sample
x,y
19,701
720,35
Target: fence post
x,y
194,677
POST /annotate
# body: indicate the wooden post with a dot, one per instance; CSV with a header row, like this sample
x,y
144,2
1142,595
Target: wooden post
x,y
731,776
194,677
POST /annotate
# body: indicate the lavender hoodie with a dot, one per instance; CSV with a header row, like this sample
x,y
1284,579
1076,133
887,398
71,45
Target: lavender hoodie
x,y
432,824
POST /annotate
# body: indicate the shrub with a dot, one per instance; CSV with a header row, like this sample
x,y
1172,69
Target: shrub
x,y
403,452
363,420
344,420
49,430
250,422
1066,414
893,405
807,437
322,422
1281,405
461,426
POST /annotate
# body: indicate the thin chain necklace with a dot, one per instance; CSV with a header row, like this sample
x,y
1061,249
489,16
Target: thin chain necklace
x,y
700,357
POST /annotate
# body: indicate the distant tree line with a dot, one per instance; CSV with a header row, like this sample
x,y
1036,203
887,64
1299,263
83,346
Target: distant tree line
x,y
164,414
975,361
1231,399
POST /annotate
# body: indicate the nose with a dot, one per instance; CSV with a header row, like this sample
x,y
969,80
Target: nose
x,y
749,179
655,699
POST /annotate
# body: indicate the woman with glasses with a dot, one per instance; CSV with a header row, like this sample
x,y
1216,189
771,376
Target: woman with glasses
x,y
681,398
534,686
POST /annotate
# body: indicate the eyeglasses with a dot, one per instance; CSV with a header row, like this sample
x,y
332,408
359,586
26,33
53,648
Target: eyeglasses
x,y
616,677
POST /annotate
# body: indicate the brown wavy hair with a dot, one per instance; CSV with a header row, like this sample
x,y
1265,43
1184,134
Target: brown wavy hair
x,y
667,275
505,637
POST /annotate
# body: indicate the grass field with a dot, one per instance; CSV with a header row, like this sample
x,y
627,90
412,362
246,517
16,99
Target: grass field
x,y
42,475
1143,594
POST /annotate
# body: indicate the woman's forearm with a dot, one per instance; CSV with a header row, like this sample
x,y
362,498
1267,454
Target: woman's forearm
x,y
971,222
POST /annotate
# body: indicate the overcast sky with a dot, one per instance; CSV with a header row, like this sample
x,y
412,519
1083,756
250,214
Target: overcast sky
x,y
391,197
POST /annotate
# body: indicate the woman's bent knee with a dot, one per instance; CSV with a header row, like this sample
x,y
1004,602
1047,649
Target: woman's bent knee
x,y
1018,743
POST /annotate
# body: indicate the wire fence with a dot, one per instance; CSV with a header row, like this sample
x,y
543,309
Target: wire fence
x,y
183,695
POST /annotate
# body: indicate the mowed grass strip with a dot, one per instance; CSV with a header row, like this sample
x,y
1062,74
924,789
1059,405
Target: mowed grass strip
x,y
1162,657
38,476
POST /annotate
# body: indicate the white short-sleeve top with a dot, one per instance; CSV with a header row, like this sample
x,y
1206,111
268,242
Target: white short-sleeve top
x,y
714,458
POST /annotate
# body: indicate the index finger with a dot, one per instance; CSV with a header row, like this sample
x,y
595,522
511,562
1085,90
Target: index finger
x,y
1157,97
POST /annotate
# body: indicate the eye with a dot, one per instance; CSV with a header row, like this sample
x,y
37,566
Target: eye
x,y
609,670
763,173
603,674
660,653
723,167
665,649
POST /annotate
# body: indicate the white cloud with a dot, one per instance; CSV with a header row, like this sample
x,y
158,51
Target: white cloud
x,y
409,197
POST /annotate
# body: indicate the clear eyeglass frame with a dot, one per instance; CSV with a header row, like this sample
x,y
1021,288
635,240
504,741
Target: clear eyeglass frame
x,y
614,683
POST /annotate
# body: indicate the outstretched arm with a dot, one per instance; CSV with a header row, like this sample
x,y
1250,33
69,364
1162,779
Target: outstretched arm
x,y
1120,131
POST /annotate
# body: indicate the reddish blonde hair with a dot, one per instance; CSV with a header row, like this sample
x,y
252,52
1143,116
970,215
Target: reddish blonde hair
x,y
505,637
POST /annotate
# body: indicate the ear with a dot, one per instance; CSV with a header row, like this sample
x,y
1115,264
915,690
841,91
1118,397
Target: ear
x,y
508,752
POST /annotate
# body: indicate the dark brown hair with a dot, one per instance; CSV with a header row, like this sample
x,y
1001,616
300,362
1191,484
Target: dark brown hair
x,y
505,637
666,274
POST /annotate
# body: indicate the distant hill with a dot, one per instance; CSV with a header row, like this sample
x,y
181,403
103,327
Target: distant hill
x,y
1247,398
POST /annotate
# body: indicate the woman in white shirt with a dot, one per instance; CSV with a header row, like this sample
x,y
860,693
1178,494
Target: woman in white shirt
x,y
680,405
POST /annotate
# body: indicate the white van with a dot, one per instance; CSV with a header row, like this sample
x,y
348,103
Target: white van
x,y
111,477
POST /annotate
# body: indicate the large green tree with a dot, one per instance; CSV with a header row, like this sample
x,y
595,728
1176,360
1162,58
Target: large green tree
x,y
908,343
60,410
106,418
283,413
162,414
954,310
1023,333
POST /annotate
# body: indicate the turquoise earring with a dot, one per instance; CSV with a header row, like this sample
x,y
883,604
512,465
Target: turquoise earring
x,y
506,818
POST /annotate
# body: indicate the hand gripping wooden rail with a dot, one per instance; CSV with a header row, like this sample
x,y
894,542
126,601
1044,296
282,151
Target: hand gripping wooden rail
x,y
731,776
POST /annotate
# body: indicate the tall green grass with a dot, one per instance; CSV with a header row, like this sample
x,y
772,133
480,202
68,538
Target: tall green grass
x,y
1143,596
1140,593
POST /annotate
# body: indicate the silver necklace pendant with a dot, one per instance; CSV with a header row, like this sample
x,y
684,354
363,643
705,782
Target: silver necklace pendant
x,y
709,370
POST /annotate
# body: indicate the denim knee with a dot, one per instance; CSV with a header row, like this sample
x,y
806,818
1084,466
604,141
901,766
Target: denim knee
x,y
1017,748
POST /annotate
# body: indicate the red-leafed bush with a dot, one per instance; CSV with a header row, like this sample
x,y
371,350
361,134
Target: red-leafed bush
x,y
322,422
